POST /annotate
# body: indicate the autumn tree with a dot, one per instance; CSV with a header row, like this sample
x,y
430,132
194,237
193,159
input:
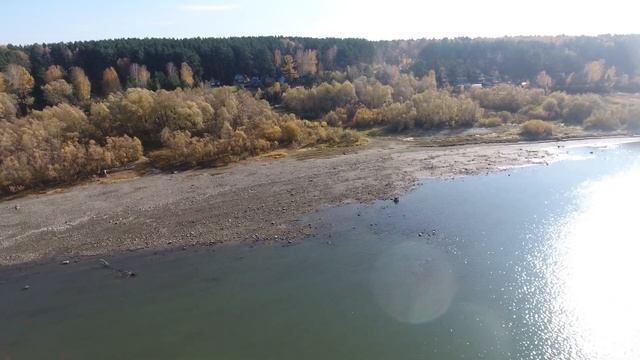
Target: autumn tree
x,y
611,76
8,107
277,58
430,81
139,76
330,58
173,77
20,82
308,64
186,75
53,73
3,86
110,81
372,93
289,68
544,81
594,71
81,85
57,92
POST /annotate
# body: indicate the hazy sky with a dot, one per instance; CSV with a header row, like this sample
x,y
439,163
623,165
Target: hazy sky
x,y
28,21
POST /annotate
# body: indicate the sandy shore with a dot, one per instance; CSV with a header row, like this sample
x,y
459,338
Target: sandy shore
x,y
256,200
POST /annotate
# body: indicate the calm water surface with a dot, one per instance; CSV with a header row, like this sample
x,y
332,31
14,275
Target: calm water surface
x,y
535,263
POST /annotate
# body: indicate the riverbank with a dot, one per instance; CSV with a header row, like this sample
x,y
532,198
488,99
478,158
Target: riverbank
x,y
258,200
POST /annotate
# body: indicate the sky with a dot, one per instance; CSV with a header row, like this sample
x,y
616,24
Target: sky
x,y
30,21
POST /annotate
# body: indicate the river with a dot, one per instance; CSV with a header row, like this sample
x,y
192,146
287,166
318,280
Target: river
x,y
537,262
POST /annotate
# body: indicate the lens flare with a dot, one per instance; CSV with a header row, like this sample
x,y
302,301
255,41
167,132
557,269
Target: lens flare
x,y
414,283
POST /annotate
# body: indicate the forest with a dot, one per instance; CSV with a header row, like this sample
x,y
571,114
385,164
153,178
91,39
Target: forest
x,y
73,110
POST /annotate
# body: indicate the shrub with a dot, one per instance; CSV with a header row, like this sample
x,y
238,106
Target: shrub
x,y
336,117
578,108
366,118
490,122
291,133
505,116
536,129
507,98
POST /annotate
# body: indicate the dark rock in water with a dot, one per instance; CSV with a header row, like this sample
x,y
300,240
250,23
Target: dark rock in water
x,y
396,200
66,262
26,287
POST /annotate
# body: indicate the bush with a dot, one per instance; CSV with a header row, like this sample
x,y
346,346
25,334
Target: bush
x,y
490,122
578,108
615,117
366,118
536,129
507,98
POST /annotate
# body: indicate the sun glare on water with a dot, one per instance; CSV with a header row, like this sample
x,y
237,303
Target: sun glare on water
x,y
596,270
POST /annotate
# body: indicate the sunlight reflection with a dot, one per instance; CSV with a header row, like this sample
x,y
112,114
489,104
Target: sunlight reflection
x,y
598,302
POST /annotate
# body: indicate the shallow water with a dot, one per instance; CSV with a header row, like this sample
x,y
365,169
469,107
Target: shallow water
x,y
533,263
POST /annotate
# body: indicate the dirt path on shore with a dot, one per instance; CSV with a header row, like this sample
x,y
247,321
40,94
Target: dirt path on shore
x,y
255,200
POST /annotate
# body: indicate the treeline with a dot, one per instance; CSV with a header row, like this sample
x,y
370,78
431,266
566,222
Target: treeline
x,y
572,64
64,143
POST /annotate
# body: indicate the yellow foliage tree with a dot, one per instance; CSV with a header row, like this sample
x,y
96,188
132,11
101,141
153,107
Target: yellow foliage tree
x,y
289,68
57,92
53,73
81,84
431,82
186,75
19,80
309,63
139,76
7,107
594,71
110,81
544,80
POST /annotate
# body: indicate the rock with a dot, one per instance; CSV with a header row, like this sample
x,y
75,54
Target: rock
x,y
65,262
26,287
420,234
396,200
17,207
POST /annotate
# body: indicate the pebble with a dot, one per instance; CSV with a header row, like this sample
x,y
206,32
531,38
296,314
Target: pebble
x,y
66,262
26,287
